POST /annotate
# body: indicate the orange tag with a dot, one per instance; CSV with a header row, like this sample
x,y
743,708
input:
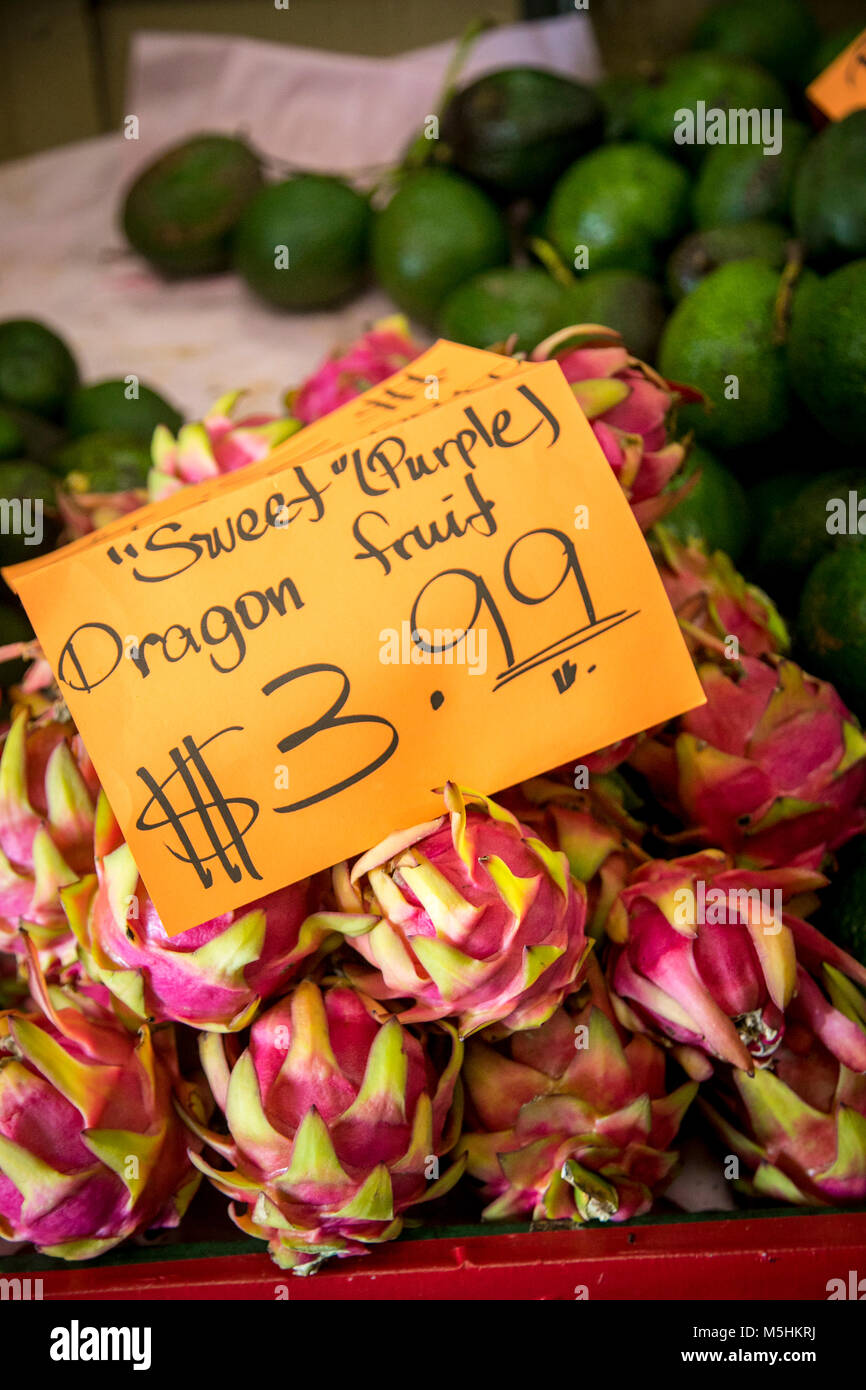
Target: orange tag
x,y
437,375
278,676
841,88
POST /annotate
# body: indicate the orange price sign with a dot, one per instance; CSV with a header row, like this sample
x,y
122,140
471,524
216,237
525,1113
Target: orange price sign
x,y
277,675
841,87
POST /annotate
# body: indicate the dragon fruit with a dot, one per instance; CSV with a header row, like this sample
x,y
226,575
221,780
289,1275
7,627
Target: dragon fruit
x,y
772,768
213,976
709,958
372,358
595,830
800,1126
627,404
337,1118
91,1149
48,792
217,444
574,1118
83,510
714,602
469,916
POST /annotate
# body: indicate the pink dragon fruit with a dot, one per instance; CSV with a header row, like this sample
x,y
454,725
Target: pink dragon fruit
x,y
217,444
772,768
83,510
800,1126
337,1118
213,976
469,916
574,1118
595,831
709,958
627,404
714,602
372,358
48,792
91,1150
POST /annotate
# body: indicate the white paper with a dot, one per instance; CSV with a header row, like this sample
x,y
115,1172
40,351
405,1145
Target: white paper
x,y
63,258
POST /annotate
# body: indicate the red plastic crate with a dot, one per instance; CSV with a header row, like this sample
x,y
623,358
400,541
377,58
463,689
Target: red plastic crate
x,y
744,1256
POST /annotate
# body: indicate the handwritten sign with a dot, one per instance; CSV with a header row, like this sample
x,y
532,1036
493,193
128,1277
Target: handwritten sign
x,y
435,376
841,87
281,673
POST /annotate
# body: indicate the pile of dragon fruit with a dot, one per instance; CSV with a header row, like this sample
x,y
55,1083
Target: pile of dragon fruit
x,y
525,996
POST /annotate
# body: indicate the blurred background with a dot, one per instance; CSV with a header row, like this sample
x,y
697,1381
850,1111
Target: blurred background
x,y
78,50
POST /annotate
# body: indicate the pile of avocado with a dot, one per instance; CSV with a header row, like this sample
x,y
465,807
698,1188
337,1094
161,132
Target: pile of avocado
x,y
734,264
59,438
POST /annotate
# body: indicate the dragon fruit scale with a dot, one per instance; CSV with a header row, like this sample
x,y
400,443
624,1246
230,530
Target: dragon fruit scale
x,y
48,793
337,1117
709,958
213,976
377,354
800,1125
714,602
91,1148
574,1119
470,916
628,406
593,827
771,769
217,444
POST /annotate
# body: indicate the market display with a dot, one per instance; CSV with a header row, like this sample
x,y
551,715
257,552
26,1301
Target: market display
x,y
524,1004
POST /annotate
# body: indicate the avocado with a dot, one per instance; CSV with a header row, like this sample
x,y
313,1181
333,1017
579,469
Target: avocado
x,y
437,231
303,243
622,203
702,252
516,130
126,404
827,351
181,210
830,193
37,370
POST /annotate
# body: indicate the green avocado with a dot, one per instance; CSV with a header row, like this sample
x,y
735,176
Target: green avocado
x,y
719,82
622,299
622,203
715,511
492,306
739,183
722,339
181,210
27,530
437,231
516,130
702,252
827,351
125,404
105,461
832,624
780,35
303,243
830,193
37,370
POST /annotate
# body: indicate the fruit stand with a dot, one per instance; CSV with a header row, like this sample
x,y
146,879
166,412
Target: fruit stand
x,y
433,781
